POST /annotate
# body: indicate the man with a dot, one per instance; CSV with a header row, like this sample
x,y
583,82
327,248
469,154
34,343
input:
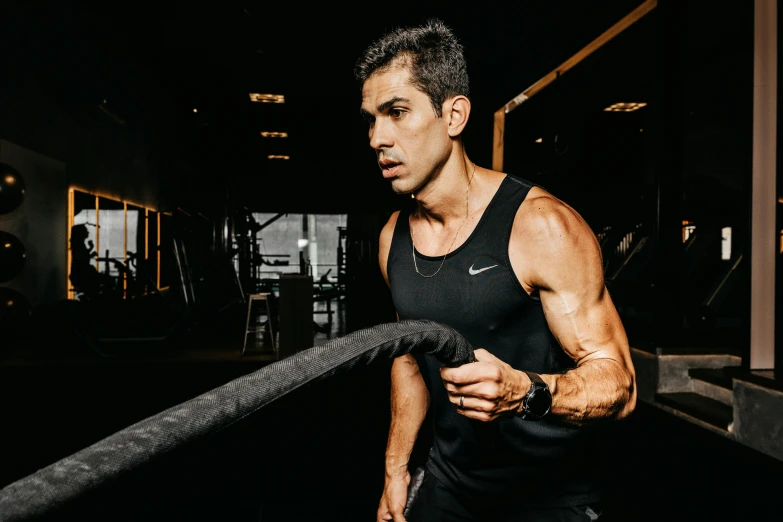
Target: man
x,y
519,274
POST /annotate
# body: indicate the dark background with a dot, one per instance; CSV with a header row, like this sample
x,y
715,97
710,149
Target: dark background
x,y
110,88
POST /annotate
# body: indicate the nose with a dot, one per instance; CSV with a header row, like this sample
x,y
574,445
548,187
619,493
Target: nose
x,y
380,136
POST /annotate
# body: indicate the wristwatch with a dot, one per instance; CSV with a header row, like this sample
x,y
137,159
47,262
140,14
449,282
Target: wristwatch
x,y
538,399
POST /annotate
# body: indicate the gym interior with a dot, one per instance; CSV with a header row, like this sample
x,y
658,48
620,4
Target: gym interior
x,y
187,199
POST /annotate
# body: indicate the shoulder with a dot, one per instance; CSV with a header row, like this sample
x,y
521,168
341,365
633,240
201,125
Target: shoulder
x,y
388,230
384,243
544,217
549,235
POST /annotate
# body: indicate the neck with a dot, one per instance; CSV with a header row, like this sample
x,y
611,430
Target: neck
x,y
448,199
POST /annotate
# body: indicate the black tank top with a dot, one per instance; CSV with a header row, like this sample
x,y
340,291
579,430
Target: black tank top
x,y
477,293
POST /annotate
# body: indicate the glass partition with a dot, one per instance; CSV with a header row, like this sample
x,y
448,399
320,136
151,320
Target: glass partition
x,y
113,248
137,276
111,241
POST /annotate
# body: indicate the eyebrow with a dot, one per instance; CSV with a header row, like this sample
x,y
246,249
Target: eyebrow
x,y
385,106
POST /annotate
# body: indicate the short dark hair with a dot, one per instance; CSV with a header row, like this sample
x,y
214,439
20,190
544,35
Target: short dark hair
x,y
430,51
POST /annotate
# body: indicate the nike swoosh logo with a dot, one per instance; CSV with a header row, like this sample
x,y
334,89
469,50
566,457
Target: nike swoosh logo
x,y
473,271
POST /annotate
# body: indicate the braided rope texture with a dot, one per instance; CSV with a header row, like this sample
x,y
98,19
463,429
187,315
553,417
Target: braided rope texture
x,y
53,486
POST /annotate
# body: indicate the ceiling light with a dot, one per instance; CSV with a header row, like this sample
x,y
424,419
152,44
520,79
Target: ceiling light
x,y
195,110
540,140
278,156
268,134
266,98
625,107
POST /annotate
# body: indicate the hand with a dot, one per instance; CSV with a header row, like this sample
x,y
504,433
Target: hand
x,y
394,498
486,389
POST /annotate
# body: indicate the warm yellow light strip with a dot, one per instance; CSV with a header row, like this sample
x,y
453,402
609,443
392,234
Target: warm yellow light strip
x,y
625,107
271,134
266,98
146,234
497,141
627,21
69,258
112,198
279,156
72,208
586,51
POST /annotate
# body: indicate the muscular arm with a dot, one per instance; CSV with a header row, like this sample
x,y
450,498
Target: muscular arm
x,y
409,404
566,268
556,256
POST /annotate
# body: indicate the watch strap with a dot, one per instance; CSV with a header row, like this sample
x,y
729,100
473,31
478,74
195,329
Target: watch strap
x,y
537,385
535,378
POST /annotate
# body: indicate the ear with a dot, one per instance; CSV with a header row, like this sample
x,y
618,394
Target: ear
x,y
457,111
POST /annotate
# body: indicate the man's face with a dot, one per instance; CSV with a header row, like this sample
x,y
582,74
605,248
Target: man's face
x,y
411,143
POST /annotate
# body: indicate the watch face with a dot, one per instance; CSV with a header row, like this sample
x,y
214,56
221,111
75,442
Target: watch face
x,y
539,403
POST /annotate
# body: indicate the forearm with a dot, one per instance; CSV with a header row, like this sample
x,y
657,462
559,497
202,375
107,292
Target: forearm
x,y
409,403
595,390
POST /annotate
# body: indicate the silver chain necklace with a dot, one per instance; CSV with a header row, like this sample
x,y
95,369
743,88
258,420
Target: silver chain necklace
x,y
413,245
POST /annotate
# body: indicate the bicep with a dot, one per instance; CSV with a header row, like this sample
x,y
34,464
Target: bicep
x,y
585,321
568,273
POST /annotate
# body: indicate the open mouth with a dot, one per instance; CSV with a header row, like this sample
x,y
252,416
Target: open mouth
x,y
388,168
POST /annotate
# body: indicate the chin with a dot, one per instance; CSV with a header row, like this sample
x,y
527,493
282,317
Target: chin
x,y
399,188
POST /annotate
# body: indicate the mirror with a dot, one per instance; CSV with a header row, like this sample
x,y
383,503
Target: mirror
x,y
83,276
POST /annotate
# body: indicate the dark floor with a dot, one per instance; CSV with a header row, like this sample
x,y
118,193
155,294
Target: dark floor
x,y
317,453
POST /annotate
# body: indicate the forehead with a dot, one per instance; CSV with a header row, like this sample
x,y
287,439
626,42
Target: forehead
x,y
387,84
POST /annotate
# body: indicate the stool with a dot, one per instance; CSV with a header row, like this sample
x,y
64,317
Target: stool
x,y
256,326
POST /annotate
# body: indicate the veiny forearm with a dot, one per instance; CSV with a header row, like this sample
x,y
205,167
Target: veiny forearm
x,y
409,403
595,390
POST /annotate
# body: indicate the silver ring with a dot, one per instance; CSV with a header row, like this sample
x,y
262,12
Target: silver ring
x,y
461,398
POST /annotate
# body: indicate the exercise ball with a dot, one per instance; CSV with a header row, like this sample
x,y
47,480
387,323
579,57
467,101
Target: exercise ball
x,y
15,319
12,188
12,256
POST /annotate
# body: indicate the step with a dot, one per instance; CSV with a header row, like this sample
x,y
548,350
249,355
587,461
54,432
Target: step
x,y
726,376
722,377
708,410
715,383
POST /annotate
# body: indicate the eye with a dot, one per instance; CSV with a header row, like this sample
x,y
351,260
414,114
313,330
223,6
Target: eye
x,y
397,113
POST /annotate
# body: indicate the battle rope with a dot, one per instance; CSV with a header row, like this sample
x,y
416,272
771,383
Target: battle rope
x,y
52,486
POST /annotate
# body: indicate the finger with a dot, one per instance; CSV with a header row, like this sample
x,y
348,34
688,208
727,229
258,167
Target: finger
x,y
489,367
482,355
477,415
466,374
478,404
464,402
477,389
